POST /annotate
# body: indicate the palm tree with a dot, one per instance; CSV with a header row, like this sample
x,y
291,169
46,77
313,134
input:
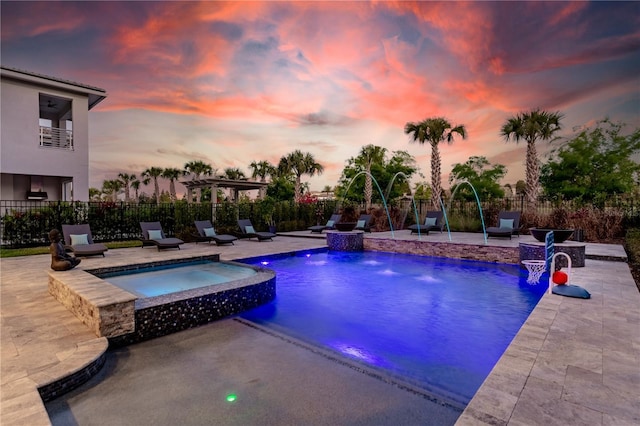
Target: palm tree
x,y
327,190
196,169
262,169
368,156
172,174
299,164
532,126
153,173
111,188
126,182
94,194
434,131
135,184
234,173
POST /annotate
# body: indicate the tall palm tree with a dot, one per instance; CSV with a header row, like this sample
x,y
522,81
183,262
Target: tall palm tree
x,y
434,130
369,155
195,169
153,173
262,169
298,164
126,182
532,126
172,174
135,184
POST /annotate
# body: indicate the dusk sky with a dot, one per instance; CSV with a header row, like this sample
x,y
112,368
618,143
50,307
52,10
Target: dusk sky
x,y
233,82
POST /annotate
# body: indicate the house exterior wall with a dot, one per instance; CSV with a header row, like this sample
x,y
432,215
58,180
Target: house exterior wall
x,y
21,155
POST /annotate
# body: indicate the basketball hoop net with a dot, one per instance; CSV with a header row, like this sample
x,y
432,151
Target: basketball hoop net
x,y
536,268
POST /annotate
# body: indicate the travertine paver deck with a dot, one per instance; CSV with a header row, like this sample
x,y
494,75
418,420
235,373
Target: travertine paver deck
x,y
574,362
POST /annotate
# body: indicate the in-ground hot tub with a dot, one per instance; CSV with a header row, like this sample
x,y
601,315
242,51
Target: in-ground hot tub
x,y
125,317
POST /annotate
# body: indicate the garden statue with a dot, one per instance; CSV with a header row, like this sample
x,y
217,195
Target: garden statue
x,y
60,260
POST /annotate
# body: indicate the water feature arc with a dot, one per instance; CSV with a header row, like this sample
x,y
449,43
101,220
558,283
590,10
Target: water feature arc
x,y
484,230
384,202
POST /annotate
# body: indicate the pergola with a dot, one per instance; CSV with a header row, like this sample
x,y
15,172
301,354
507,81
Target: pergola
x,y
236,186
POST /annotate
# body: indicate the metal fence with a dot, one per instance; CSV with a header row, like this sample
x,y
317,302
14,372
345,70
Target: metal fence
x,y
27,223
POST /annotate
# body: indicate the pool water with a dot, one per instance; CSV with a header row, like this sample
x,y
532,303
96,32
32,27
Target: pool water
x,y
166,279
440,324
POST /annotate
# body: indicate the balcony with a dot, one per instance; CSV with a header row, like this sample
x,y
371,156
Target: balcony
x,y
52,137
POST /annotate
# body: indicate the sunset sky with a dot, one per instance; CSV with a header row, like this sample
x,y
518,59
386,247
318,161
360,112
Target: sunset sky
x,y
233,82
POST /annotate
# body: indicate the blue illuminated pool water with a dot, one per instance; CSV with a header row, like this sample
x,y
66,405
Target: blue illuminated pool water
x,y
173,278
441,324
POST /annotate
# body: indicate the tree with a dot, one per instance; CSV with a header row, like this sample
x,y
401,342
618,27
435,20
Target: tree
x,y
382,171
126,182
298,164
327,190
262,169
111,188
521,187
94,194
234,173
434,131
135,184
195,169
484,179
172,174
421,191
369,155
152,174
594,164
532,126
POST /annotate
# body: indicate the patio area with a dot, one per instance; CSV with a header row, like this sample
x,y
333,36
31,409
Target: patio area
x,y
574,361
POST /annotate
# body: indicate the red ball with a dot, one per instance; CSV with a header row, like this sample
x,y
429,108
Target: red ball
x,y
559,278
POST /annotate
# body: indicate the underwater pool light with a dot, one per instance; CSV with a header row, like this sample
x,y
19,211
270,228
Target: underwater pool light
x,y
308,254
264,263
231,397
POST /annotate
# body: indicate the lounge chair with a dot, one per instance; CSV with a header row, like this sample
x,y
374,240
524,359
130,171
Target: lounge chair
x,y
434,221
363,223
153,235
330,224
247,231
508,225
79,240
206,233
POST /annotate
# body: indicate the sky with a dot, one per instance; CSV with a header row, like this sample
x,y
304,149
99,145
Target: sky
x,y
229,83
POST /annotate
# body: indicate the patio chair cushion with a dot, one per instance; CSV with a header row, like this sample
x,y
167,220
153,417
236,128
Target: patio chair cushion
x,y
155,234
360,224
209,232
77,240
430,221
329,223
249,229
506,223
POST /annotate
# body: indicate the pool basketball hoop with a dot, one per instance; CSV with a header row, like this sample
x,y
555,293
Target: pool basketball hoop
x,y
536,268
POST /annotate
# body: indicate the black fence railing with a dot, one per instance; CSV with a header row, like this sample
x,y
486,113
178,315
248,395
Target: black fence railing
x,y
27,223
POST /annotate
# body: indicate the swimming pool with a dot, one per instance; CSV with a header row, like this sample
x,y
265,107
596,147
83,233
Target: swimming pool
x,y
439,324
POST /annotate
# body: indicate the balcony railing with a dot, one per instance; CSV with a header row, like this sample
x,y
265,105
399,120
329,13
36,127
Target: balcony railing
x,y
52,137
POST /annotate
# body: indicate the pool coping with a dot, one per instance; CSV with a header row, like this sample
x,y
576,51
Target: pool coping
x,y
532,402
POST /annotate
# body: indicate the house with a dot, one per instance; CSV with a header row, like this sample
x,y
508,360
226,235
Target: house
x,y
44,136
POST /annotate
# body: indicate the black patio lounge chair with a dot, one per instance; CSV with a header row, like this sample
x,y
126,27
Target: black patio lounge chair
x,y
153,235
335,218
508,225
363,223
206,233
79,240
434,221
247,231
